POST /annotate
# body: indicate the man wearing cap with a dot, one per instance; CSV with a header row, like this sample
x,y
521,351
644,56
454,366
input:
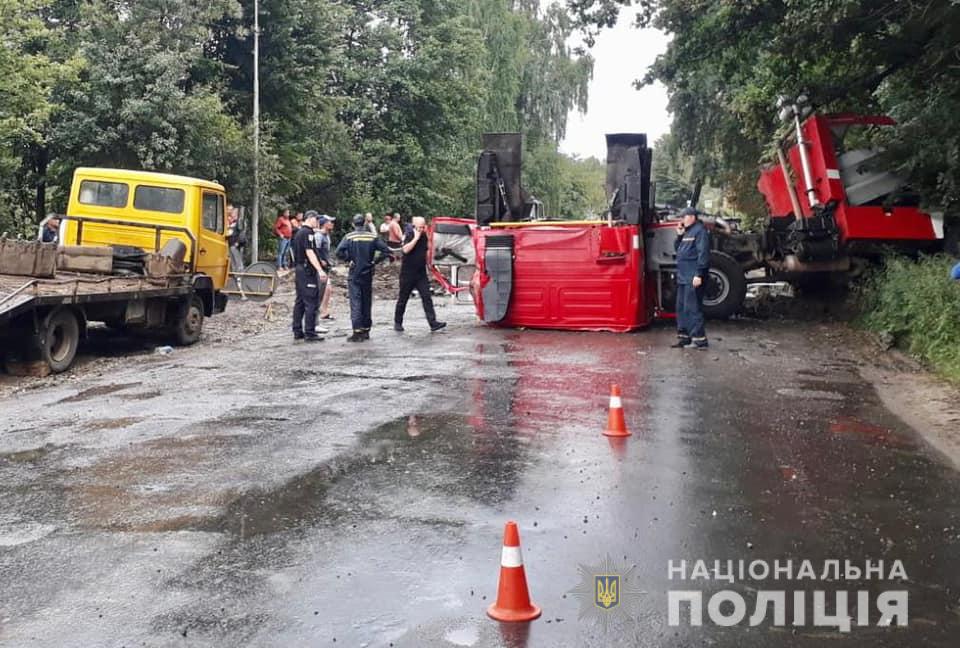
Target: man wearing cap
x,y
693,265
360,248
309,277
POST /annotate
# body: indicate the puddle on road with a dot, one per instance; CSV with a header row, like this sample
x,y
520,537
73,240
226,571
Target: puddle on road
x,y
101,390
467,635
449,456
308,375
154,486
813,394
257,418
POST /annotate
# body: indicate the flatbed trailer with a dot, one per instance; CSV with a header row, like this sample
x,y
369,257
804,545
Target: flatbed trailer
x,y
45,319
18,296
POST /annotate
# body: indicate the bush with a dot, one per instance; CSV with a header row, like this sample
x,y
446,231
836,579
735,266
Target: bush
x,y
918,304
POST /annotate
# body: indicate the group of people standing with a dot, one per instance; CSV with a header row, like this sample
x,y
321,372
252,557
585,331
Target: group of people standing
x,y
363,249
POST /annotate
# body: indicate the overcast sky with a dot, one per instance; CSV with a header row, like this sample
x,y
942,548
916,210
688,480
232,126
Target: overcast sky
x,y
622,55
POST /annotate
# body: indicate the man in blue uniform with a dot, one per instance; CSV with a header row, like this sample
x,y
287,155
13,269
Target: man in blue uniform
x,y
693,266
360,248
309,276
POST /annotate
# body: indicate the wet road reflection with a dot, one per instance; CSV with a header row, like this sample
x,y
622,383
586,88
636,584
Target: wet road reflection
x,y
391,537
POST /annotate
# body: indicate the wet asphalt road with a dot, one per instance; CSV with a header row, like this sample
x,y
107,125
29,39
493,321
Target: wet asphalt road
x,y
266,494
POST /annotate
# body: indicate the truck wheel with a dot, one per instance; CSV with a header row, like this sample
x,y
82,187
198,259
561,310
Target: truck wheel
x,y
726,287
59,339
189,322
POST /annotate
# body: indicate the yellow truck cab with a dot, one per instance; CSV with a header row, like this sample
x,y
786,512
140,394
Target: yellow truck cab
x,y
136,250
188,209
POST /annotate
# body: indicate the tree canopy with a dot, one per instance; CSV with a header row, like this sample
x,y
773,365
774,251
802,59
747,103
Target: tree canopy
x,y
729,59
367,105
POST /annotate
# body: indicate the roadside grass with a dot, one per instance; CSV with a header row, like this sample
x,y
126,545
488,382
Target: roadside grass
x,y
917,307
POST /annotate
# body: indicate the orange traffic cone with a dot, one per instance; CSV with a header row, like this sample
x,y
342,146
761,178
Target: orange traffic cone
x,y
513,598
616,425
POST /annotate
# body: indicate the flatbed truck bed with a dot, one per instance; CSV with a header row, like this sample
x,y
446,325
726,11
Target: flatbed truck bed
x,y
43,320
20,294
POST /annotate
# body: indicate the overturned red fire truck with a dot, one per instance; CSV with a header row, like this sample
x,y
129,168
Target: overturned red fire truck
x,y
830,210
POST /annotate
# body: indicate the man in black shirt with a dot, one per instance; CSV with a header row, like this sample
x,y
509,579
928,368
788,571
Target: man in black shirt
x,y
413,275
310,275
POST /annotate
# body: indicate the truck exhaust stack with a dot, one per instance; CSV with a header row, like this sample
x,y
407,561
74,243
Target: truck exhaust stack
x,y
628,177
499,194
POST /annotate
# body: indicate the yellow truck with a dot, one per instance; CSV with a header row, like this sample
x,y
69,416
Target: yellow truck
x,y
135,250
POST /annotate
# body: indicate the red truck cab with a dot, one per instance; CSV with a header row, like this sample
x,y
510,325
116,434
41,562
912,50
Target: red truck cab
x,y
583,275
868,203
575,275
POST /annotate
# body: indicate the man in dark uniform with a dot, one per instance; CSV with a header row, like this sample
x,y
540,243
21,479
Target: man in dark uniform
x,y
413,275
309,276
360,248
693,267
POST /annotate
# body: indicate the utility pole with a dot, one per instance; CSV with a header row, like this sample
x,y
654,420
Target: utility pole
x,y
255,225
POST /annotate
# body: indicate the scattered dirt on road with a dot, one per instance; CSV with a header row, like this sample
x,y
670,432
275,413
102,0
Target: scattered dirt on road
x,y
113,424
918,397
28,456
95,392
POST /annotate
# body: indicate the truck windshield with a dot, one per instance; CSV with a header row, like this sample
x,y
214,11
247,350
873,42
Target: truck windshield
x,y
864,167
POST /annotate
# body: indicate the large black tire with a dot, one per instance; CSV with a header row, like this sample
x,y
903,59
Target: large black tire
x,y
188,324
59,339
726,287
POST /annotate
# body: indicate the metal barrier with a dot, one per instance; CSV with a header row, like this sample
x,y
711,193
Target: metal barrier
x,y
156,227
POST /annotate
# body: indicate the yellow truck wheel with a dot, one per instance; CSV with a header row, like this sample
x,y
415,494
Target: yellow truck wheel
x,y
59,339
189,322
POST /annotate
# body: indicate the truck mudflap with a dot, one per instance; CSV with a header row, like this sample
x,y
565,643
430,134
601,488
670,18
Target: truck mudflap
x,y
498,266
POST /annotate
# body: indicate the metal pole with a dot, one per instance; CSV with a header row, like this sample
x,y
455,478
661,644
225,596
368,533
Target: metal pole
x,y
255,225
805,159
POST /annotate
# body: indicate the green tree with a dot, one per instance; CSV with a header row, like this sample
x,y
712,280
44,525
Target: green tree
x,y
34,61
366,105
728,61
140,101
